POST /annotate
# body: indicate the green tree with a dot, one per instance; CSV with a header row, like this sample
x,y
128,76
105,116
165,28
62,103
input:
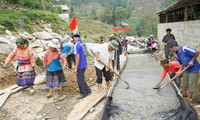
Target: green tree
x,y
121,14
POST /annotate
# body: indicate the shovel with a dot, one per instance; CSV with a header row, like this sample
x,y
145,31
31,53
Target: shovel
x,y
172,79
109,69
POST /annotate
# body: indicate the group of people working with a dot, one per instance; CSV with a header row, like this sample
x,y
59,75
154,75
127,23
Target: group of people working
x,y
55,60
106,57
186,65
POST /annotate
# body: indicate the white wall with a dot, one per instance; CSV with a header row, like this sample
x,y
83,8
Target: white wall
x,y
64,16
186,33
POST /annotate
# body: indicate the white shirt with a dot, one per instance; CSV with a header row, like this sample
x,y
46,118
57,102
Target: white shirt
x,y
104,55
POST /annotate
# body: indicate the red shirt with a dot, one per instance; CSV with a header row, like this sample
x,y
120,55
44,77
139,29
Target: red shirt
x,y
173,67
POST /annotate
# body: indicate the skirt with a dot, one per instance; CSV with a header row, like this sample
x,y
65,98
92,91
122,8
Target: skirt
x,y
25,78
54,79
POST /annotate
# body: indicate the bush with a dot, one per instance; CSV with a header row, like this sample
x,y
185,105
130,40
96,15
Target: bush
x,y
56,9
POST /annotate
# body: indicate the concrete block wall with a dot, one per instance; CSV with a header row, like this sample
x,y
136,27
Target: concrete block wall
x,y
186,33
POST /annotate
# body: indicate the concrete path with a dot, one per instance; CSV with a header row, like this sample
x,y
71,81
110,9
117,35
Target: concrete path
x,y
141,102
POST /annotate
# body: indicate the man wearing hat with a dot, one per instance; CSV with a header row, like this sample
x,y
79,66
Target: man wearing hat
x,y
103,52
172,67
186,56
117,52
81,64
165,40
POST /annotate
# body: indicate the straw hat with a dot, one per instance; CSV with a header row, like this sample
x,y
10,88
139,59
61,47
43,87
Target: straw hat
x,y
54,44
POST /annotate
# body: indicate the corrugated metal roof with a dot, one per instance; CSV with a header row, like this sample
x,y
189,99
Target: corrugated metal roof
x,y
176,5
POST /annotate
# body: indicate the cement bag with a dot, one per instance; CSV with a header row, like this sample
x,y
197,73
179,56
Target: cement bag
x,y
40,79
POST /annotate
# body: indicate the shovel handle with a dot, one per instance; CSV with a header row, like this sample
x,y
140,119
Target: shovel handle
x,y
109,68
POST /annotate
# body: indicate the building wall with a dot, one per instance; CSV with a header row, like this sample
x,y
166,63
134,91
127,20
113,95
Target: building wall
x,y
186,33
64,16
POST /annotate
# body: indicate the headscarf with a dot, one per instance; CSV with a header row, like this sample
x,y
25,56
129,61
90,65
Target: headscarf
x,y
22,41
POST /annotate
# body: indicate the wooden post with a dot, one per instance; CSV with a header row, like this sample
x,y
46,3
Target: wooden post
x,y
186,17
167,17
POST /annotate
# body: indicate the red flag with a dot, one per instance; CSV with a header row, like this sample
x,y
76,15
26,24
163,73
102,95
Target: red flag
x,y
119,29
73,24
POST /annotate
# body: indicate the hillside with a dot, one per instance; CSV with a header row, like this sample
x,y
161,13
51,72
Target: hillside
x,y
29,15
19,19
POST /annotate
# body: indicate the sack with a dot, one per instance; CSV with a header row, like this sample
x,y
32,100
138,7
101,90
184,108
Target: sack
x,y
40,79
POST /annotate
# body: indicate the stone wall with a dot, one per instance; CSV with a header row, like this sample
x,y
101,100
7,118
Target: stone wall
x,y
186,33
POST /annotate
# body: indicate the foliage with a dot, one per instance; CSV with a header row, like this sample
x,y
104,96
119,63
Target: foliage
x,y
29,20
142,20
56,9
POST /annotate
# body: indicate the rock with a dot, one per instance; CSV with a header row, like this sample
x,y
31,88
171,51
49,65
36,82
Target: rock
x,y
91,79
56,35
48,30
5,45
47,117
92,110
58,108
8,32
43,35
67,38
28,111
39,117
27,35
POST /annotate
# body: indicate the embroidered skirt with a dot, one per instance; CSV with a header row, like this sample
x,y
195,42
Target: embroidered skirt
x,y
54,79
25,78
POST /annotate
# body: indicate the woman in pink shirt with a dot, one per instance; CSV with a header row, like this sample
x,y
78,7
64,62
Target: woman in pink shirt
x,y
172,67
26,63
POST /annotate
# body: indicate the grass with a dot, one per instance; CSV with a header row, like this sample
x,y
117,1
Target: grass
x,y
33,20
94,29
30,21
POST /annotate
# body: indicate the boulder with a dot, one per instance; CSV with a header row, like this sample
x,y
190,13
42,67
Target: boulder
x,y
27,35
56,35
43,35
6,46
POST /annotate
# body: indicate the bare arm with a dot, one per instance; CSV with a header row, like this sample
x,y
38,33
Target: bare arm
x,y
77,63
195,56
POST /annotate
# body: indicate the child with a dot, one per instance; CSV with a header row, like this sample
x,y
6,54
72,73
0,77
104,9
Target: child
x,y
51,61
26,64
186,56
172,67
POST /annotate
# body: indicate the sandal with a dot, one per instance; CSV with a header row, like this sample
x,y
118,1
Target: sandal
x,y
157,86
49,95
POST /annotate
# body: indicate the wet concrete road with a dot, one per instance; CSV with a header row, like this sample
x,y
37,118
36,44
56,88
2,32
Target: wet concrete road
x,y
140,101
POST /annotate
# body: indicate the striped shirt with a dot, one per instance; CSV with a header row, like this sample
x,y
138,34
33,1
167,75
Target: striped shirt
x,y
25,59
50,59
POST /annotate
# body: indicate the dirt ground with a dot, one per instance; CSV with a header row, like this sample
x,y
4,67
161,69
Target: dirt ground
x,y
7,75
23,106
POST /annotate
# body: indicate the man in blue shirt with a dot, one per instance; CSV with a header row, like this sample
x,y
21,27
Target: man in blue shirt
x,y
81,64
68,50
186,56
